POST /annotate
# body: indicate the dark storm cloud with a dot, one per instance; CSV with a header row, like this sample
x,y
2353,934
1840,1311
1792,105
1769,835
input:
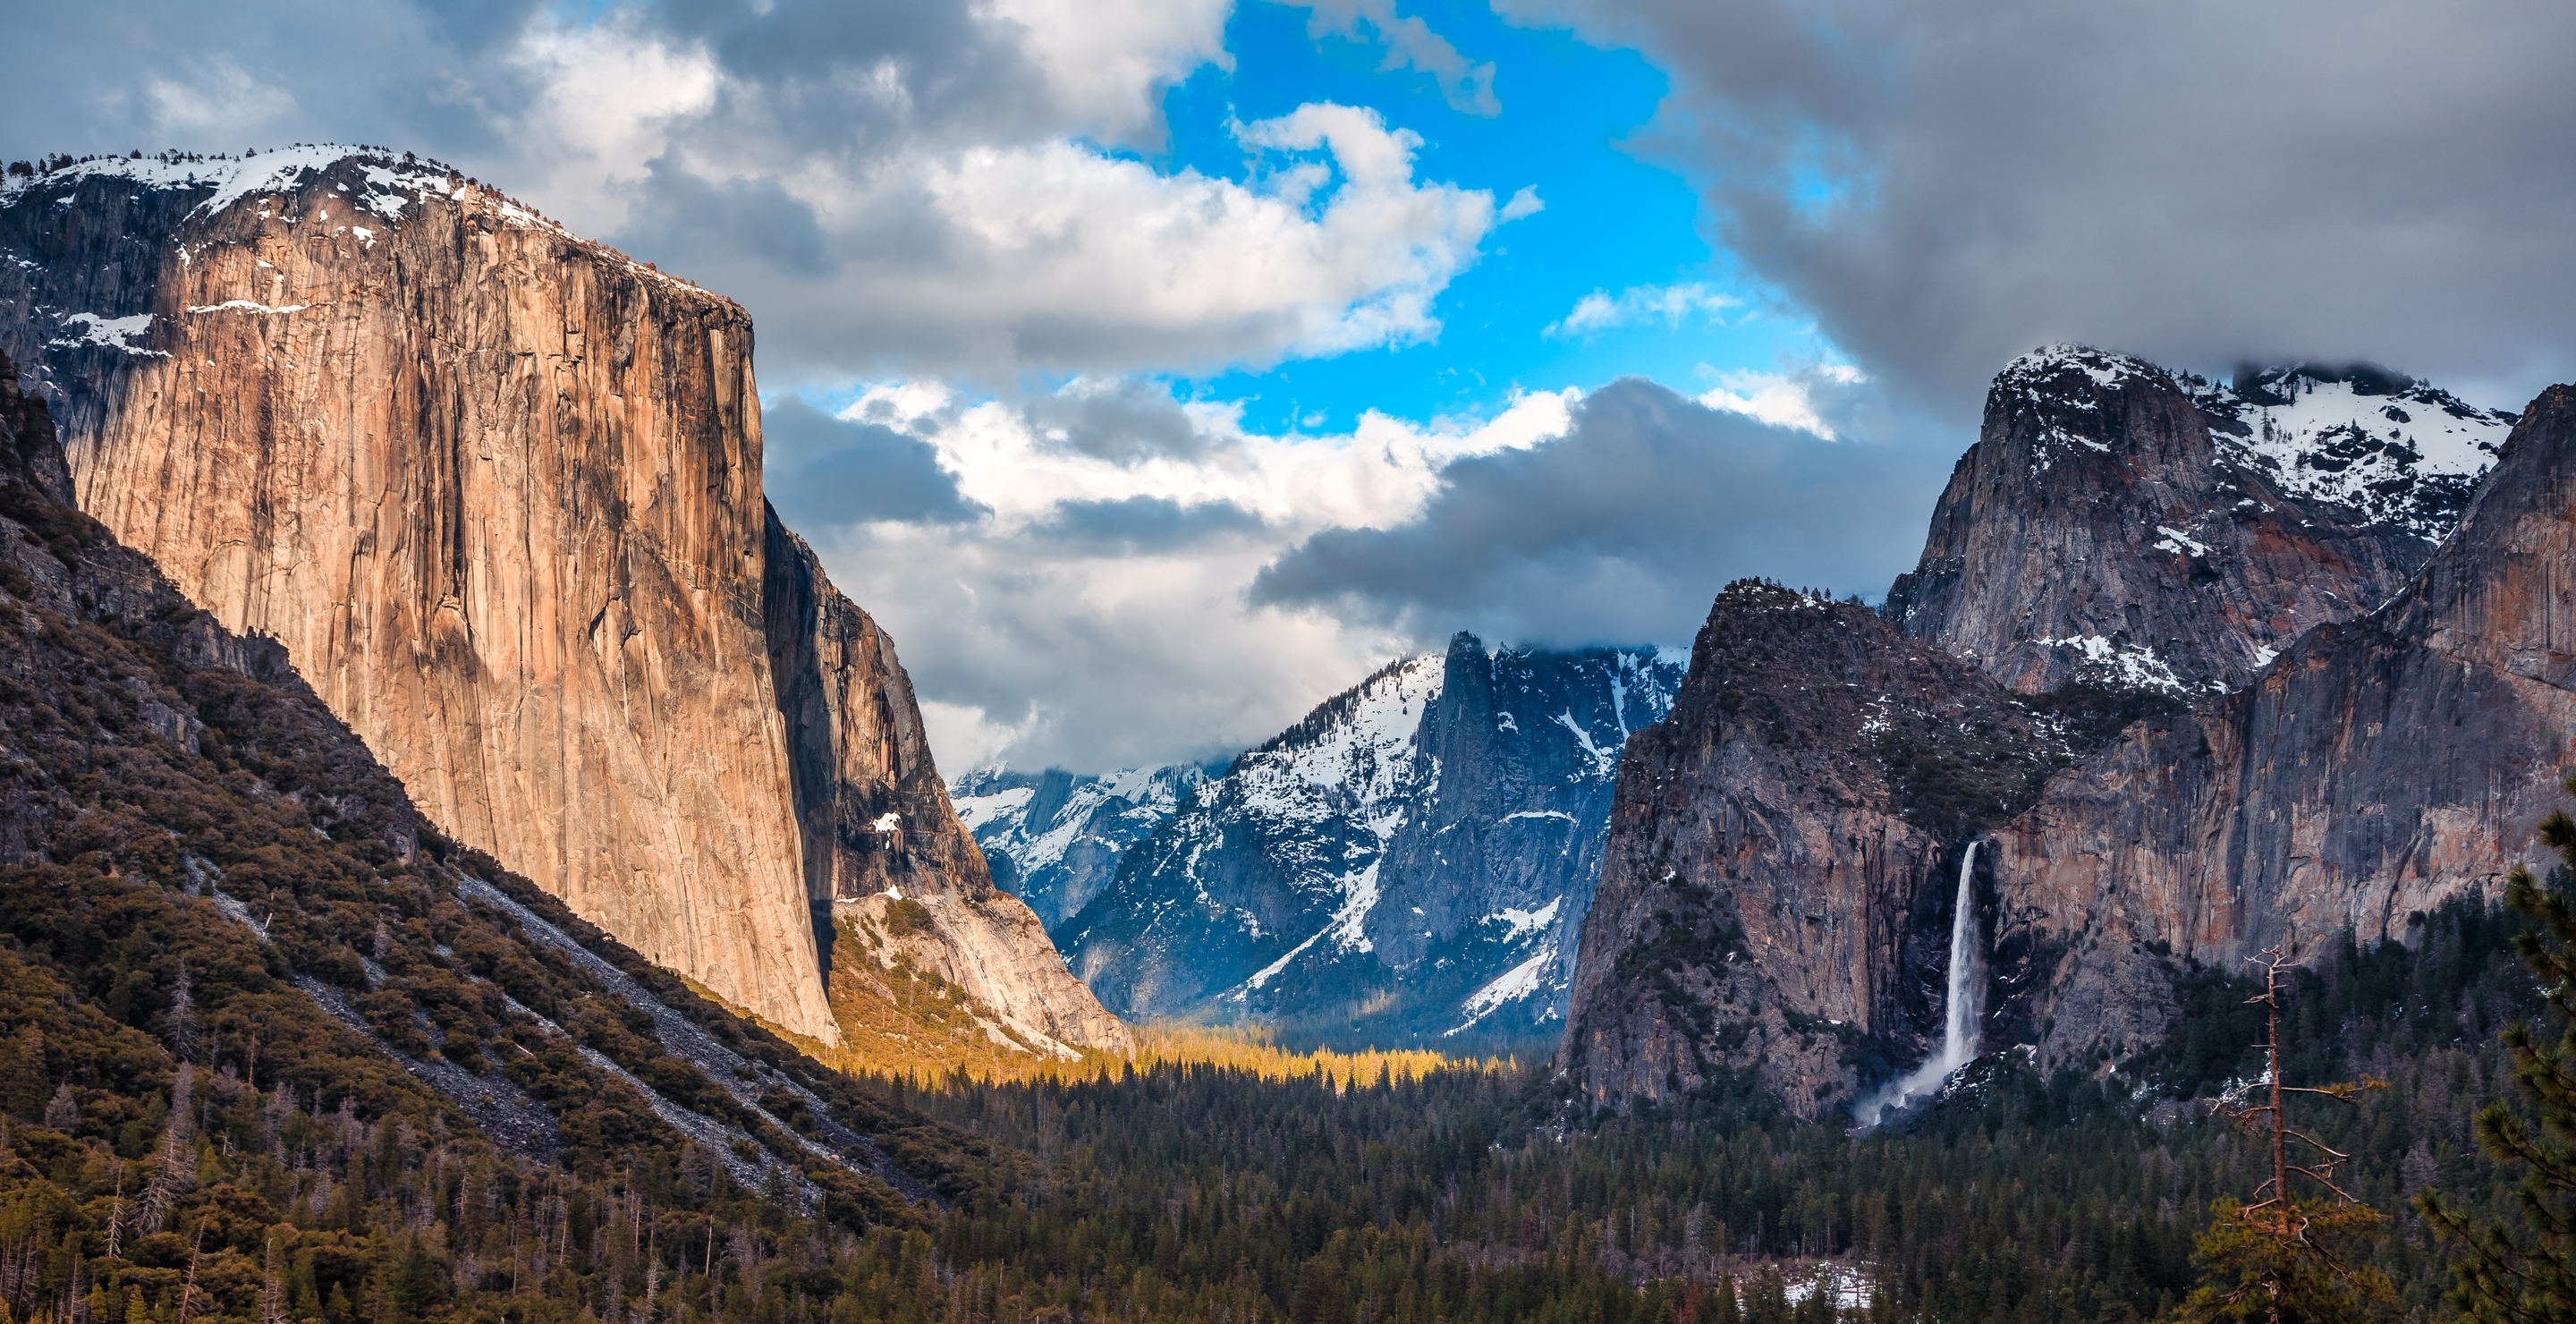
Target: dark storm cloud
x,y
1143,524
1126,422
1944,186
1625,528
823,472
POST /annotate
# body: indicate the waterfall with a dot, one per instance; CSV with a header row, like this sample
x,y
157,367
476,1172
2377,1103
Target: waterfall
x,y
1964,1006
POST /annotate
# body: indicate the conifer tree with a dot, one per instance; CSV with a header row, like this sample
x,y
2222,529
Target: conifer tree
x,y
2522,1269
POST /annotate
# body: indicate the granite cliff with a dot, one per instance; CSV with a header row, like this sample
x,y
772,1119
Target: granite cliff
x,y
2122,524
1778,883
2375,769
497,491
181,818
2378,709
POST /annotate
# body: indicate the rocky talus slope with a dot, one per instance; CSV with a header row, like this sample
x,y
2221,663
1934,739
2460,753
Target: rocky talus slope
x,y
1411,863
2377,768
497,491
204,873
2121,524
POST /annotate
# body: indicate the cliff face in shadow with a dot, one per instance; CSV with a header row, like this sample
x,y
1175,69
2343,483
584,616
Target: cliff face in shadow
x,y
2376,769
497,491
1783,854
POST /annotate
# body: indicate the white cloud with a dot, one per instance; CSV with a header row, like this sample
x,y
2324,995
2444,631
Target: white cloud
x,y
609,96
1600,310
984,232
1780,399
1059,255
1106,62
1524,203
1098,615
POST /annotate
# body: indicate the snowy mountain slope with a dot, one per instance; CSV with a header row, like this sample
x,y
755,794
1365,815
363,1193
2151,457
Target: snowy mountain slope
x,y
1054,838
1409,863
2395,449
2124,525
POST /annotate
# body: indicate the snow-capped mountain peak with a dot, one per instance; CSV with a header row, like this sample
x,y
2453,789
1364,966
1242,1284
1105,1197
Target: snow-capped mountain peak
x,y
1411,860
1054,838
2396,449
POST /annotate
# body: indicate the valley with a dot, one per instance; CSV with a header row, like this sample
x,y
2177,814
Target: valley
x,y
462,858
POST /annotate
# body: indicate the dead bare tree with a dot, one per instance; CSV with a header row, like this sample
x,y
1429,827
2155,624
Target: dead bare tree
x,y
2272,1259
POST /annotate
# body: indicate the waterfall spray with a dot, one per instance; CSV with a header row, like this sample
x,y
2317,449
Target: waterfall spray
x,y
1964,1007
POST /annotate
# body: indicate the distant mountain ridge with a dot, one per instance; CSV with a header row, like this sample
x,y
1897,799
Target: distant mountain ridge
x,y
1054,838
1409,863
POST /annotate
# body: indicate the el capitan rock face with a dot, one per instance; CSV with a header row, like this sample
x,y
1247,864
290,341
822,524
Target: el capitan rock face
x,y
497,490
2376,769
2120,524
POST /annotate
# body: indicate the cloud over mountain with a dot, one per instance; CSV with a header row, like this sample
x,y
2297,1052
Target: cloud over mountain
x,y
936,187
1621,528
1944,186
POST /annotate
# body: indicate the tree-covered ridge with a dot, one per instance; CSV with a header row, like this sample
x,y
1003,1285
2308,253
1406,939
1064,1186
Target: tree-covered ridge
x,y
270,1049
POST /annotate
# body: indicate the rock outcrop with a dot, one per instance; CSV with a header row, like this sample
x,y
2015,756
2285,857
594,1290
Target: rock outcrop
x,y
1783,852
876,821
1410,863
1781,875
2118,524
2377,768
185,781
497,490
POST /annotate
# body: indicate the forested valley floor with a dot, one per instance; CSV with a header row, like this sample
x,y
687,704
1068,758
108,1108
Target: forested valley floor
x,y
132,1192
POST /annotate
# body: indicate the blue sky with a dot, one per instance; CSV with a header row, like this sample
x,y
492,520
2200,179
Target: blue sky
x,y
1612,221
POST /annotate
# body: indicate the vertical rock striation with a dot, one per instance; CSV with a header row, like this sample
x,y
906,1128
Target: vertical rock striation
x,y
497,490
2377,768
2117,524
